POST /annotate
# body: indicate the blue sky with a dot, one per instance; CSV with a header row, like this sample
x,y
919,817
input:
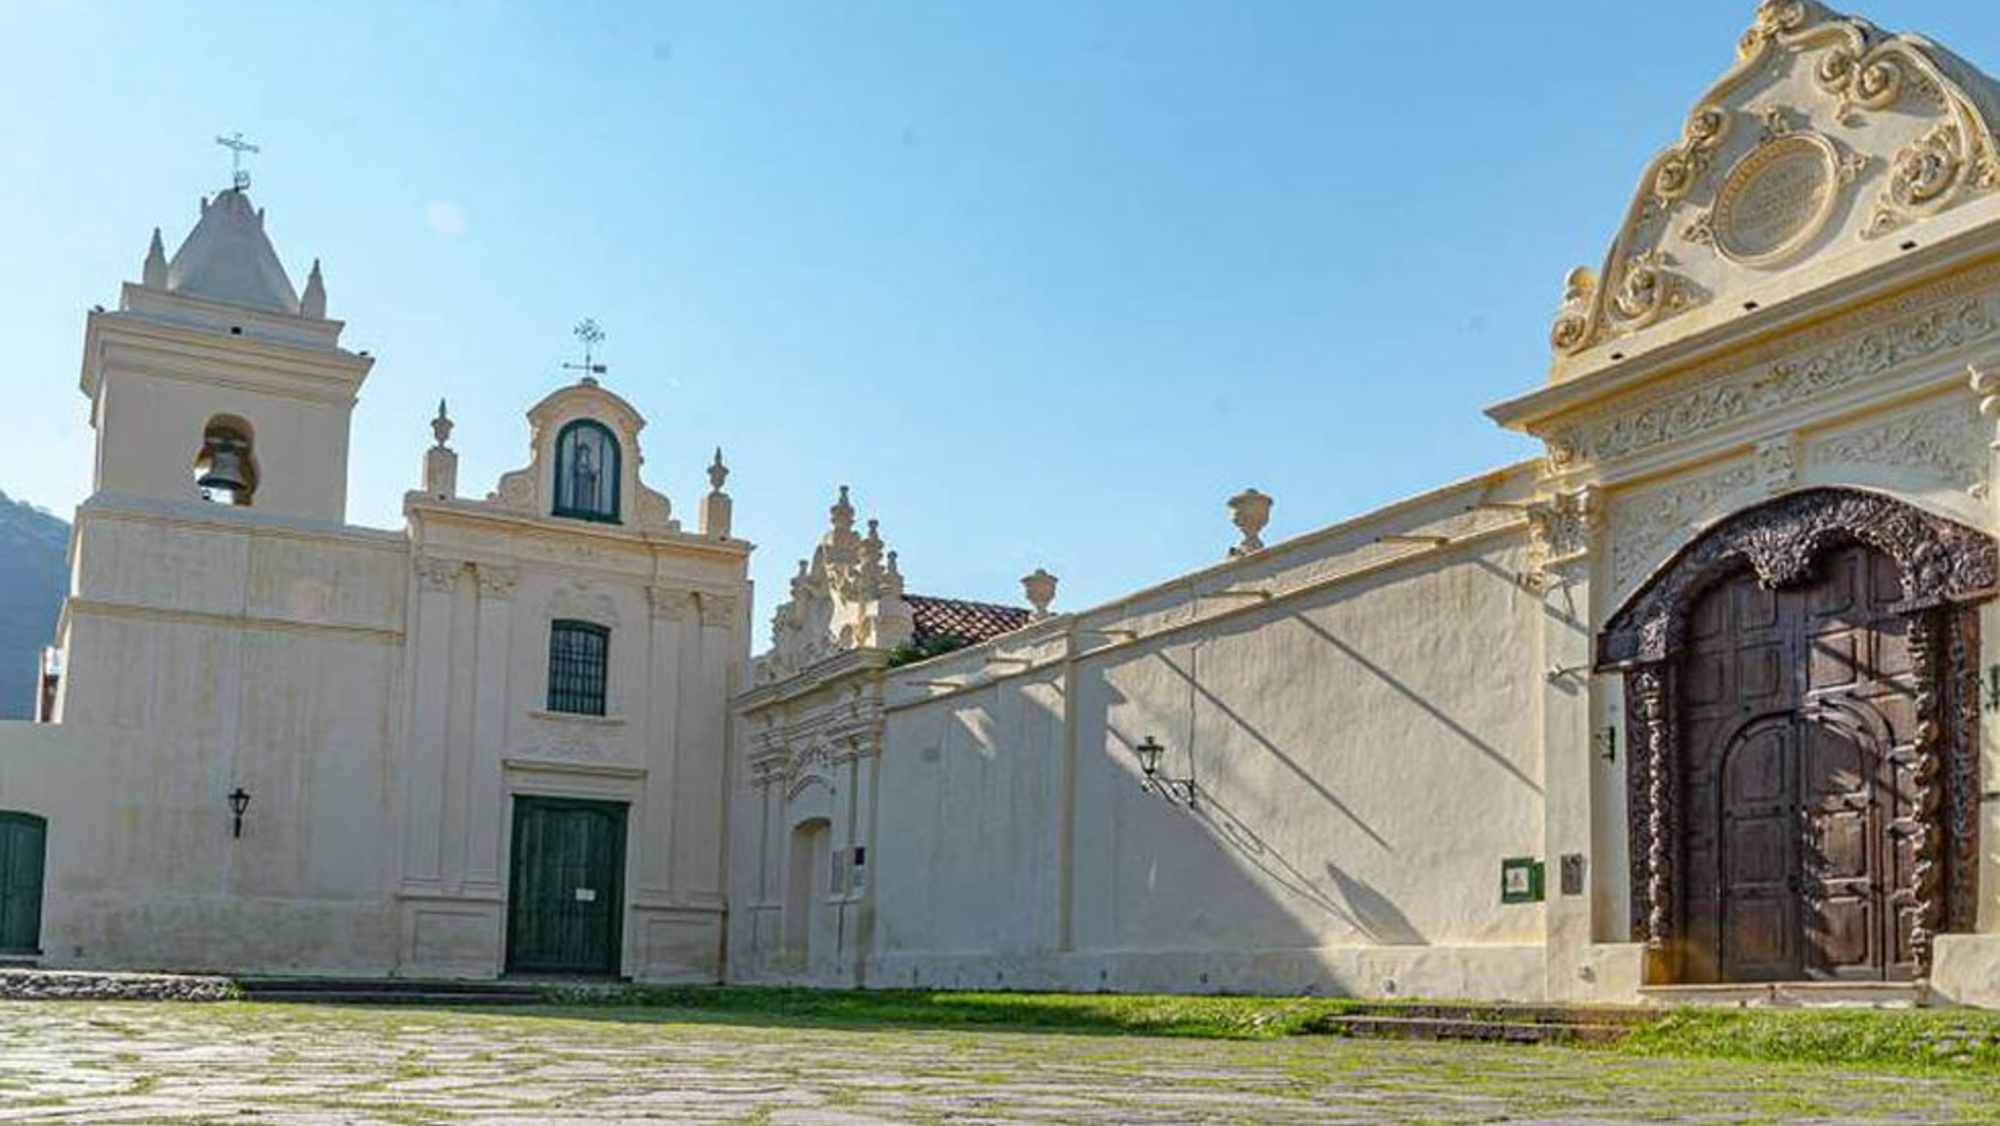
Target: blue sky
x,y
1045,282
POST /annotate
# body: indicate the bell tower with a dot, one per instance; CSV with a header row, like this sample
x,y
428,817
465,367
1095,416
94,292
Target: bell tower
x,y
214,381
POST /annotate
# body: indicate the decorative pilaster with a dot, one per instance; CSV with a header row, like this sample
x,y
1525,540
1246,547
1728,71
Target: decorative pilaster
x,y
430,689
669,611
1926,799
699,794
718,611
1653,801
492,644
1959,708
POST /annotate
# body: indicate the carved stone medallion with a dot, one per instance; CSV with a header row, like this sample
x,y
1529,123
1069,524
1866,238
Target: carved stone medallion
x,y
1776,199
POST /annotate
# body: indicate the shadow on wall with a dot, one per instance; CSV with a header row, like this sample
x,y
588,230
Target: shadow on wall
x,y
1353,901
1455,727
1276,751
1327,886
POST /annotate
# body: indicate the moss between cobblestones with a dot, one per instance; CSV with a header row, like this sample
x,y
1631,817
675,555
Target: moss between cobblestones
x,y
1963,1041
1966,1040
1212,1017
723,1056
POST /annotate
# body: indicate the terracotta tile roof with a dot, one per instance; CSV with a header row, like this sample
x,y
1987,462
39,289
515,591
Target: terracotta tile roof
x,y
969,622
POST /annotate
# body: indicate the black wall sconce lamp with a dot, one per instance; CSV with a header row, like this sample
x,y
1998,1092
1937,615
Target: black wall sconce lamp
x,y
1181,790
239,800
1604,741
1989,688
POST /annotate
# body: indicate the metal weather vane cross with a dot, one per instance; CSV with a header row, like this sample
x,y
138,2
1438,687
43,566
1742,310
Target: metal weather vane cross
x,y
237,146
590,336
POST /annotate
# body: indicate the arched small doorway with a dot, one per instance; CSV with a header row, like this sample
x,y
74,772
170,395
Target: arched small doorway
x,y
807,886
1803,784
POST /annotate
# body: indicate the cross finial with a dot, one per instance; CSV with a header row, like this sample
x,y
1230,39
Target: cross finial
x,y
590,336
237,146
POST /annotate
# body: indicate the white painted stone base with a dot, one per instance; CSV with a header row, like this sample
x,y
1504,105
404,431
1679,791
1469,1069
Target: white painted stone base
x,y
218,934
1966,970
1611,973
1492,973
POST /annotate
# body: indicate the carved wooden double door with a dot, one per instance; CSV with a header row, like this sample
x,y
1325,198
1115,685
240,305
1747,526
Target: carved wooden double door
x,y
1798,723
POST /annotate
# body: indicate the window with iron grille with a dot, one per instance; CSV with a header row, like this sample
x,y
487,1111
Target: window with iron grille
x,y
579,658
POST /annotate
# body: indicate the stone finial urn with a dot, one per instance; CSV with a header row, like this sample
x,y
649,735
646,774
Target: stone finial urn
x,y
1250,511
1041,590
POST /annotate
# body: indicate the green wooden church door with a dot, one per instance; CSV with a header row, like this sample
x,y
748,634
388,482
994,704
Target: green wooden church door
x,y
23,848
566,903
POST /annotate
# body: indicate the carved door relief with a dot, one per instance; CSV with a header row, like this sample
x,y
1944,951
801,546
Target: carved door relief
x,y
1802,700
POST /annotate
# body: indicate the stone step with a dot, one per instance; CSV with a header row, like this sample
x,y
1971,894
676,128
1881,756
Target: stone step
x,y
387,991
1500,1012
1486,1031
388,997
1793,995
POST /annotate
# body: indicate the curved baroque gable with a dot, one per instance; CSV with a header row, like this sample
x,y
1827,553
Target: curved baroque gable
x,y
1827,135
531,488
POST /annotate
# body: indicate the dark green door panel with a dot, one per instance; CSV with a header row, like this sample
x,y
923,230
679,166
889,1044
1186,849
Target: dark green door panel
x,y
566,900
23,849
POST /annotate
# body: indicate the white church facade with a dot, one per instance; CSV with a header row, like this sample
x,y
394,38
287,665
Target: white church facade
x,y
490,742
1698,700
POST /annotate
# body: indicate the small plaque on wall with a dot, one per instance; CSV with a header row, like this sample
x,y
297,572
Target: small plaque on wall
x,y
1520,880
1572,873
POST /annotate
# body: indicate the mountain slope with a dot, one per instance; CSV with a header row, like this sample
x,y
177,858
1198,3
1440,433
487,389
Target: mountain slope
x,y
34,570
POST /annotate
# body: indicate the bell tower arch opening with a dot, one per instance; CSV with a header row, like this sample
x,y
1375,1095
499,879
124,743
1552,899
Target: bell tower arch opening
x,y
225,470
207,340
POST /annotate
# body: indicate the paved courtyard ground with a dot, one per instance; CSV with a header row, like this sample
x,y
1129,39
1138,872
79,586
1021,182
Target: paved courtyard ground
x,y
250,1065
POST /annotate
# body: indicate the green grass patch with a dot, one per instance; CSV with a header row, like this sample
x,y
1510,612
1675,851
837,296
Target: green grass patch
x,y
1959,1040
1229,1018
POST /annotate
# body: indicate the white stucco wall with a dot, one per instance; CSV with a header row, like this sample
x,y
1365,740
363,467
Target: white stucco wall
x,y
1362,764
1363,761
211,649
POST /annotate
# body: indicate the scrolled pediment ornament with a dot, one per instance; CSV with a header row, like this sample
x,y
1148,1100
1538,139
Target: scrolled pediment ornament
x,y
1643,288
1941,562
1789,187
1774,18
1860,79
1933,173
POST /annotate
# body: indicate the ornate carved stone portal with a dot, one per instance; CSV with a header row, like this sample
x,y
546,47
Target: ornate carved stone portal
x,y
1802,706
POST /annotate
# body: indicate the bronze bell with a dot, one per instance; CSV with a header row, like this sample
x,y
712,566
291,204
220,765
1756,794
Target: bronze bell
x,y
228,465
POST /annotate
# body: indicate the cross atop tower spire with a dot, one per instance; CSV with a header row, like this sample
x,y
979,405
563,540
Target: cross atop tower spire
x,y
590,336
237,146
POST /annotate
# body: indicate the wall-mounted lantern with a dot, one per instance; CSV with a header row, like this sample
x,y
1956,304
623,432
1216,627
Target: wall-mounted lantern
x,y
1989,688
239,801
1605,742
1181,790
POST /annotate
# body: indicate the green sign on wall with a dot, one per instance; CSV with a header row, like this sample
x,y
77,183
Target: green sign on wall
x,y
1520,880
